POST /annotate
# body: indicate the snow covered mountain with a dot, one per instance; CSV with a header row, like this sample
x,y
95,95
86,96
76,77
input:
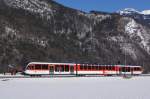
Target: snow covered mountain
x,y
146,12
43,30
128,11
143,16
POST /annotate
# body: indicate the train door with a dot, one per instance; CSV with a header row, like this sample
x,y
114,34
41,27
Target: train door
x,y
51,70
132,69
117,69
71,69
120,71
129,70
126,70
104,68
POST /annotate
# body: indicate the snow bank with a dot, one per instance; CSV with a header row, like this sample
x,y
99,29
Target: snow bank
x,y
75,88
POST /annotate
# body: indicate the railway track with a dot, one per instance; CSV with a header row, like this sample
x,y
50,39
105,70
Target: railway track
x,y
66,76
45,76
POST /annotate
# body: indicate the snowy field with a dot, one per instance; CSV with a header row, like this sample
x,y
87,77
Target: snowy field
x,y
75,88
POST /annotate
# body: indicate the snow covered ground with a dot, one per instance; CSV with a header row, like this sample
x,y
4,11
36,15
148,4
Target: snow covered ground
x,y
75,88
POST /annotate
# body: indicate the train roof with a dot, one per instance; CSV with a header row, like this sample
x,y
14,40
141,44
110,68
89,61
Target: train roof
x,y
51,63
82,64
128,65
109,65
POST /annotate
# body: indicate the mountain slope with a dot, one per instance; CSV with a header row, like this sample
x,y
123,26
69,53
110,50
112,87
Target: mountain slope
x,y
43,30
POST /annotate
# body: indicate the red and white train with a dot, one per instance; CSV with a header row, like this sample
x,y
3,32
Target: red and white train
x,y
43,68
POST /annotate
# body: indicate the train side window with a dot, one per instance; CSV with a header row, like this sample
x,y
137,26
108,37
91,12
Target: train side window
x,y
113,68
38,66
44,67
139,69
66,68
56,68
81,67
89,67
96,67
93,67
123,69
107,67
32,67
28,67
104,67
62,68
134,68
128,69
100,67
85,67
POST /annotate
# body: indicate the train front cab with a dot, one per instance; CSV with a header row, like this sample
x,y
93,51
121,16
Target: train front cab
x,y
130,70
